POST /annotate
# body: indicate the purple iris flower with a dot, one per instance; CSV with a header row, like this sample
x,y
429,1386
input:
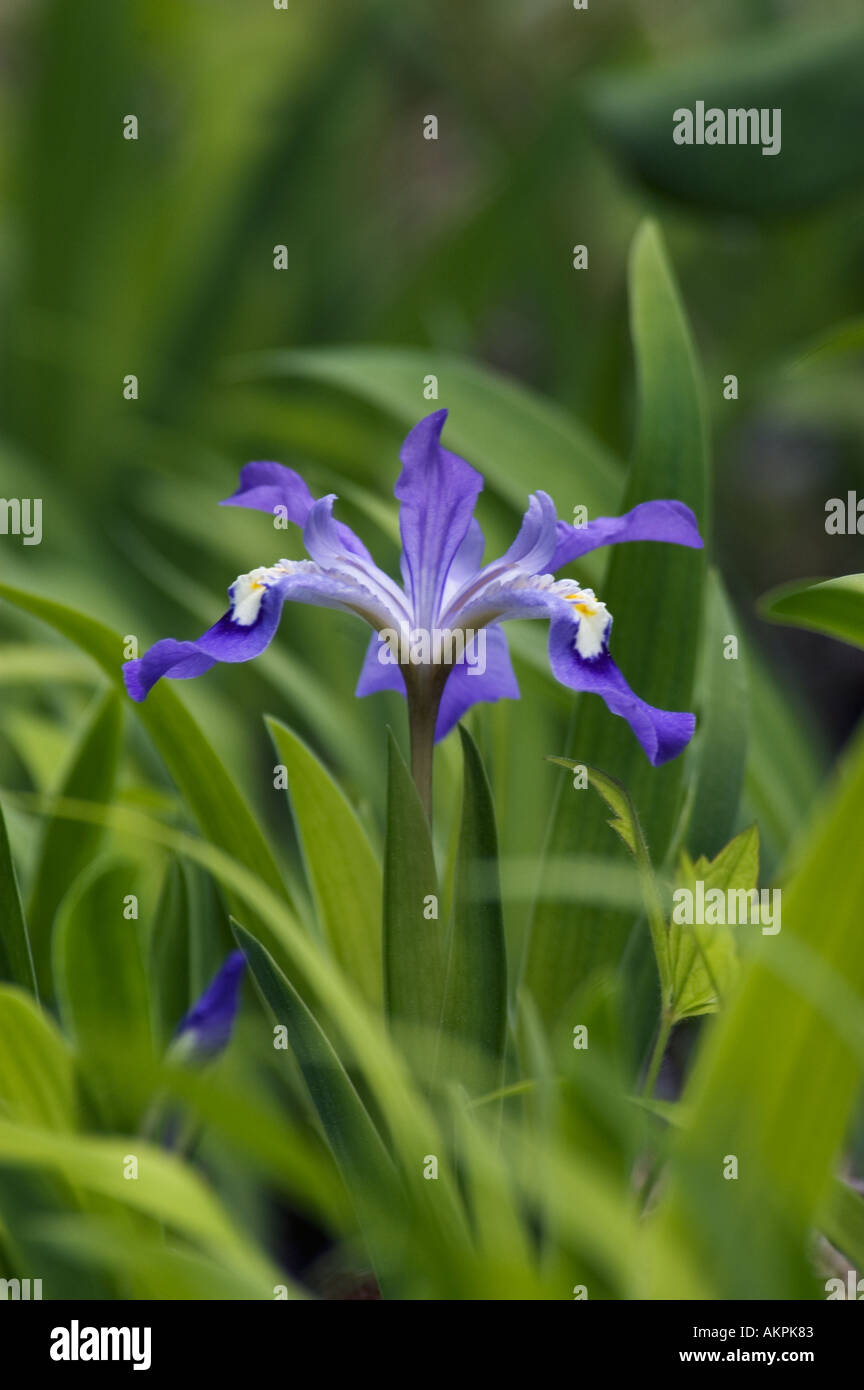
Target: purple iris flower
x,y
205,1030
445,590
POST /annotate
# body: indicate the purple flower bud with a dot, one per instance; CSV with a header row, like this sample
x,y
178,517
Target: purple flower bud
x,y
205,1031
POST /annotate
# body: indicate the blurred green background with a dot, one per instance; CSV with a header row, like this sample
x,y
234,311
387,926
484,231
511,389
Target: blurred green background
x,y
303,128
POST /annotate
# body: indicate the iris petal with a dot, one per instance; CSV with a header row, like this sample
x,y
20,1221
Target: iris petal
x,y
662,733
663,520
438,491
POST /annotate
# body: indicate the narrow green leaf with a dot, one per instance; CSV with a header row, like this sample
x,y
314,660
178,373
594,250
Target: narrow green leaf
x,y
66,849
353,1139
723,727
200,775
475,999
515,438
343,871
101,984
168,953
16,958
790,73
656,649
412,937
834,607
37,1082
165,1188
778,1080
843,1222
626,824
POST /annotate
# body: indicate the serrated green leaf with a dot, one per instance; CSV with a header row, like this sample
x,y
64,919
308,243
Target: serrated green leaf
x,y
704,957
344,874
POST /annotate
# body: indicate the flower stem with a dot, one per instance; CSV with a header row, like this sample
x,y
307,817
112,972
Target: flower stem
x,y
657,1055
423,701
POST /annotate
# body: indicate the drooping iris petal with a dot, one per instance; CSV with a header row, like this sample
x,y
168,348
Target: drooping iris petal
x,y
466,685
438,491
664,520
182,660
250,624
662,733
264,487
205,1030
377,675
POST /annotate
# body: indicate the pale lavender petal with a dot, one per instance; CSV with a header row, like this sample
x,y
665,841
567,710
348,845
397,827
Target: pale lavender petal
x,y
537,538
324,538
466,562
663,520
438,491
232,641
266,486
662,733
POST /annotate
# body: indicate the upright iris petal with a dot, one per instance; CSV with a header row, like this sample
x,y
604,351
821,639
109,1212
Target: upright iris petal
x,y
438,491
447,593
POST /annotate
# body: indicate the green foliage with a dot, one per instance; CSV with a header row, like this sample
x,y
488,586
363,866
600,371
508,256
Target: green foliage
x,y
834,607
454,1113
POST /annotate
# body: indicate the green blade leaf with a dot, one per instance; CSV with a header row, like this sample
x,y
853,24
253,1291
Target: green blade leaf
x,y
413,942
66,849
515,438
658,653
37,1079
102,986
343,871
200,775
780,1076
816,159
626,824
723,727
168,953
16,957
165,1190
834,607
353,1138
475,998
